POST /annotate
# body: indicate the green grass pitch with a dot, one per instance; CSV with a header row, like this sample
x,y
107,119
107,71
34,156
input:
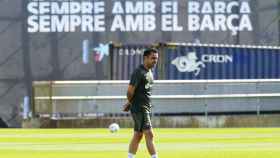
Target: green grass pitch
x,y
171,143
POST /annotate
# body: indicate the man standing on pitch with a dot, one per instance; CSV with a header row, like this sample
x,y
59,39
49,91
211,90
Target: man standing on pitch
x,y
139,103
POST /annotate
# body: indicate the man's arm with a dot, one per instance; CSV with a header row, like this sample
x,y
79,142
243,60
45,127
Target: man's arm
x,y
129,95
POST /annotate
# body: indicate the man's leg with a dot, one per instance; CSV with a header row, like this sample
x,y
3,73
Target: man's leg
x,y
149,137
134,143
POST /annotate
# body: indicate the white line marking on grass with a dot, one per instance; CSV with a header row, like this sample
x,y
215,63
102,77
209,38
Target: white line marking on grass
x,y
119,135
123,146
65,147
109,135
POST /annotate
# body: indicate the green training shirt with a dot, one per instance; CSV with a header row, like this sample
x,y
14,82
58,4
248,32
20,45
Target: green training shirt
x,y
142,79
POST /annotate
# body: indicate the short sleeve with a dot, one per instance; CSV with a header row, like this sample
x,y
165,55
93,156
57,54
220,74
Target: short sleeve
x,y
135,78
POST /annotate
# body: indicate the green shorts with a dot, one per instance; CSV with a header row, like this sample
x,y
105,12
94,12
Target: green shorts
x,y
142,121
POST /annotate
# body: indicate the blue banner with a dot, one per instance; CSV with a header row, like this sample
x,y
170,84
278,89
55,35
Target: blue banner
x,y
210,62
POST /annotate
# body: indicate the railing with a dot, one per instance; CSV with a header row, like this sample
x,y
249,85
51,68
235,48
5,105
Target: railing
x,y
105,98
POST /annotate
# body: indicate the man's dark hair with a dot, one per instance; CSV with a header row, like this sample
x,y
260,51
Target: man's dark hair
x,y
149,51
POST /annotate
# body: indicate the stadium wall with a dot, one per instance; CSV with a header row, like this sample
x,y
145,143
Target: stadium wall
x,y
218,121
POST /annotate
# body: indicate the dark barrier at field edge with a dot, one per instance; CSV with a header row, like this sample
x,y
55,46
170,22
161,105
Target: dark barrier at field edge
x,y
199,61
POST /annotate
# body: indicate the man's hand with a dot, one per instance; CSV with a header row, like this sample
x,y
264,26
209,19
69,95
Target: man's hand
x,y
126,107
129,95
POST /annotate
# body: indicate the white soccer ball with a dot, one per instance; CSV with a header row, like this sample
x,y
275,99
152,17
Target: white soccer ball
x,y
114,127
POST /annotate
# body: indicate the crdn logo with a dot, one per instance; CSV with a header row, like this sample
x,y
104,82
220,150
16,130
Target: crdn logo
x,y
191,63
210,58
